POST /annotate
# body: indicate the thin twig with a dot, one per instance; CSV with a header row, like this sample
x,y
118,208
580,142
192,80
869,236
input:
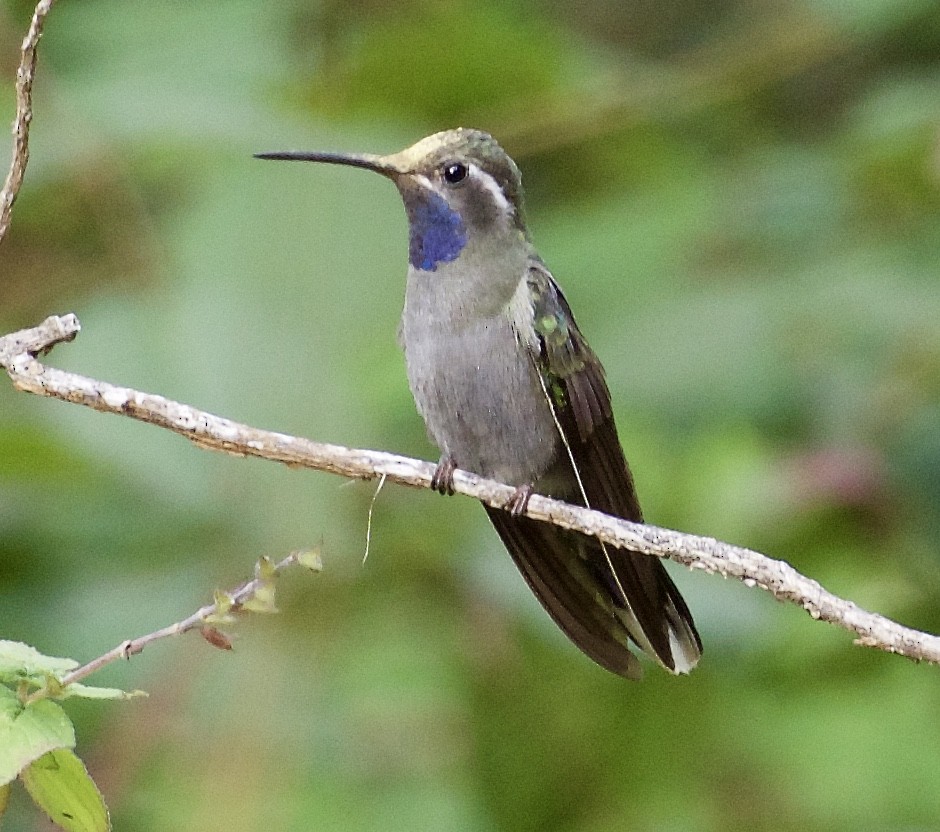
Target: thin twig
x,y
18,356
234,603
24,114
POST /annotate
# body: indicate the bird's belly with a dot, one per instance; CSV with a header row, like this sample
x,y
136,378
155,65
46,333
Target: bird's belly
x,y
482,401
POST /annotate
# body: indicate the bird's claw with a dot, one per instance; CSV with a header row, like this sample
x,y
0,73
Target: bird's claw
x,y
519,501
443,479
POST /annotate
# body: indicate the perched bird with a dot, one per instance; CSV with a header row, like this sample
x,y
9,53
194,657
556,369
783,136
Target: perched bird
x,y
509,389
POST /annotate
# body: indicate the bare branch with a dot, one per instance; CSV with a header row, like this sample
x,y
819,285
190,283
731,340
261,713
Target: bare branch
x,y
24,114
18,353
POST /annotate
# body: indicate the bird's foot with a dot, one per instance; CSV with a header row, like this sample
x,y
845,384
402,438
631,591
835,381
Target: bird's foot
x,y
519,501
443,479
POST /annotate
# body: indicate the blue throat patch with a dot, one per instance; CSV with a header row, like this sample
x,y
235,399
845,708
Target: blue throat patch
x,y
437,234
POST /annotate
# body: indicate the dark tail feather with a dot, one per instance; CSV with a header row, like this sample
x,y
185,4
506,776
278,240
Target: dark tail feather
x,y
570,575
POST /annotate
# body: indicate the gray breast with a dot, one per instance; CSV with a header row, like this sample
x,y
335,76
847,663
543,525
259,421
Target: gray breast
x,y
480,396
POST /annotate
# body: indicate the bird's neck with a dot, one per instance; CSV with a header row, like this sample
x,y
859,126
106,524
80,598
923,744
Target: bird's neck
x,y
436,232
478,284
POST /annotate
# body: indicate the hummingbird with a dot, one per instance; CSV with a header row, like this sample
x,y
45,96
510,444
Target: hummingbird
x,y
509,389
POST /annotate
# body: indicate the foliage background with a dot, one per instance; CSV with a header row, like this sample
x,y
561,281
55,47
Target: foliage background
x,y
742,199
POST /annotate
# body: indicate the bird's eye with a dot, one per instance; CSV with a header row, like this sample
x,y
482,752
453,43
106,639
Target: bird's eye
x,y
454,172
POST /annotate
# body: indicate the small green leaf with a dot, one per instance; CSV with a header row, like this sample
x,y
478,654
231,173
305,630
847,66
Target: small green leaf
x,y
223,605
53,687
19,661
217,620
262,600
311,559
4,799
265,569
61,786
27,732
92,692
223,602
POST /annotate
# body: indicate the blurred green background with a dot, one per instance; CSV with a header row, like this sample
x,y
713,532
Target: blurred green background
x,y
742,200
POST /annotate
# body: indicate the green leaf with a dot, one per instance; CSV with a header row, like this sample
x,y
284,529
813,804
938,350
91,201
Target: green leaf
x,y
20,661
4,799
262,600
223,605
223,602
23,665
27,732
52,687
265,569
61,786
311,559
92,692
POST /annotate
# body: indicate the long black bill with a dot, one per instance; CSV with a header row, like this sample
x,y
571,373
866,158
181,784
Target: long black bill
x,y
377,163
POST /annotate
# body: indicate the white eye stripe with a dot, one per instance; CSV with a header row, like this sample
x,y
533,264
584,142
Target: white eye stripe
x,y
504,205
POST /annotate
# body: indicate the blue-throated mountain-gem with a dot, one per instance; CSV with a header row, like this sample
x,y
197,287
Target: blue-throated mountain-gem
x,y
509,389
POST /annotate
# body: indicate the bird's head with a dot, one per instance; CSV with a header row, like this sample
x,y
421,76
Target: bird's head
x,y
456,185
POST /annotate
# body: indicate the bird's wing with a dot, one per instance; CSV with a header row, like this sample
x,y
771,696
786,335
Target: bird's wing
x,y
634,588
574,381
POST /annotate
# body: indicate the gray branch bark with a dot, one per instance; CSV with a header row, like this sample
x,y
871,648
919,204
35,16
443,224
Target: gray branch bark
x,y
24,114
18,356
